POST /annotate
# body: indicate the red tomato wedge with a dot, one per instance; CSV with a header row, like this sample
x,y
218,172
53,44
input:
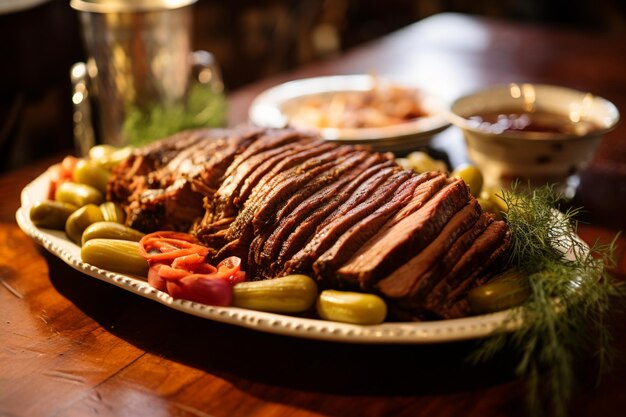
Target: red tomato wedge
x,y
199,288
155,280
230,270
61,173
178,266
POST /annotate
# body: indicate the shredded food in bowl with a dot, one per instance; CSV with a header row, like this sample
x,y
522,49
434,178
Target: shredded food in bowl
x,y
384,105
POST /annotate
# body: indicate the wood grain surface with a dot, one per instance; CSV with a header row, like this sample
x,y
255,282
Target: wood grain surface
x,y
71,345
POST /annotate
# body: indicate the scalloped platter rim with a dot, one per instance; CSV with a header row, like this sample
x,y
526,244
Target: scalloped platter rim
x,y
386,333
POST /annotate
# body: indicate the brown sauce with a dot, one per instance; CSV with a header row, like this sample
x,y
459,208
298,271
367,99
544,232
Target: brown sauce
x,y
540,122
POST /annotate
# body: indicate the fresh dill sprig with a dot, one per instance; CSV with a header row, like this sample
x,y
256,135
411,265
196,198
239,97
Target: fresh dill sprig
x,y
571,294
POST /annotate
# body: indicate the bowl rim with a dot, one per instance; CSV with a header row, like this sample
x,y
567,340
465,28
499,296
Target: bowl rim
x,y
462,122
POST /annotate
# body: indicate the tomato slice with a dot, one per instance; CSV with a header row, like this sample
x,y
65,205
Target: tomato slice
x,y
154,277
60,173
168,245
229,266
205,268
240,276
178,266
201,289
189,262
168,273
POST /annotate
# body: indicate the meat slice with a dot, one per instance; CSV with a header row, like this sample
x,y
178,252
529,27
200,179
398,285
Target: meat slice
x,y
223,203
234,191
433,280
403,280
229,206
254,184
271,194
473,269
329,231
269,139
293,189
298,162
322,198
349,242
330,200
315,189
422,194
334,170
342,166
486,249
395,245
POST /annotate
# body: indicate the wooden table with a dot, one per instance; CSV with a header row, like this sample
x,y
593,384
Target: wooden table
x,y
73,346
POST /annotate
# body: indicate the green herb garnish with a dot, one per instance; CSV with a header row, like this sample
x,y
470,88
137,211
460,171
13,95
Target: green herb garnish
x,y
570,297
204,107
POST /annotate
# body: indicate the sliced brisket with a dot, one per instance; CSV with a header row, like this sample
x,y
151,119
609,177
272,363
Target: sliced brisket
x,y
313,194
290,189
308,184
395,245
323,198
327,234
300,154
288,202
486,249
349,242
402,281
333,198
228,191
432,279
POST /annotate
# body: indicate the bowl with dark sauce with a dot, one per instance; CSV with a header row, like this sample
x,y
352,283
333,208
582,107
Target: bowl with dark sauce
x,y
532,132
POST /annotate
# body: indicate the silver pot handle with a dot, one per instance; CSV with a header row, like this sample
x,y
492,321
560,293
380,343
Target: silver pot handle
x,y
84,135
207,71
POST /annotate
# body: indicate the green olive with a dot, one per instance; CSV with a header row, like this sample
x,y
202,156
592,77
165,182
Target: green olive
x,y
404,163
112,212
120,256
107,156
351,307
119,155
504,291
422,162
78,194
489,206
110,230
472,177
100,152
288,294
90,173
494,195
79,220
51,214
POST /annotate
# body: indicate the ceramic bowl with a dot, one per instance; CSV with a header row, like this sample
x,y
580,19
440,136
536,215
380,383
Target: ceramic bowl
x,y
548,154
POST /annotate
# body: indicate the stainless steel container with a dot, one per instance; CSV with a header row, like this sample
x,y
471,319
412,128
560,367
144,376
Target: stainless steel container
x,y
141,73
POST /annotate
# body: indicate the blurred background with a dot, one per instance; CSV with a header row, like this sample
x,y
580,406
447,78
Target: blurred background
x,y
251,39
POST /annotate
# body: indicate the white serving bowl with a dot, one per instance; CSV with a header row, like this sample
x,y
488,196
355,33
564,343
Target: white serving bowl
x,y
537,157
276,106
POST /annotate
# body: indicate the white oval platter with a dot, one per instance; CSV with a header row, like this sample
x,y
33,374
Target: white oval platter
x,y
387,333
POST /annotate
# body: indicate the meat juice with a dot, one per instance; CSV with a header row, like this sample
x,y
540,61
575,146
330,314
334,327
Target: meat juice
x,y
537,122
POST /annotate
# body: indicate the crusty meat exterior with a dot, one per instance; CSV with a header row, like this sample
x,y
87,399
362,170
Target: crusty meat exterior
x,y
162,186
